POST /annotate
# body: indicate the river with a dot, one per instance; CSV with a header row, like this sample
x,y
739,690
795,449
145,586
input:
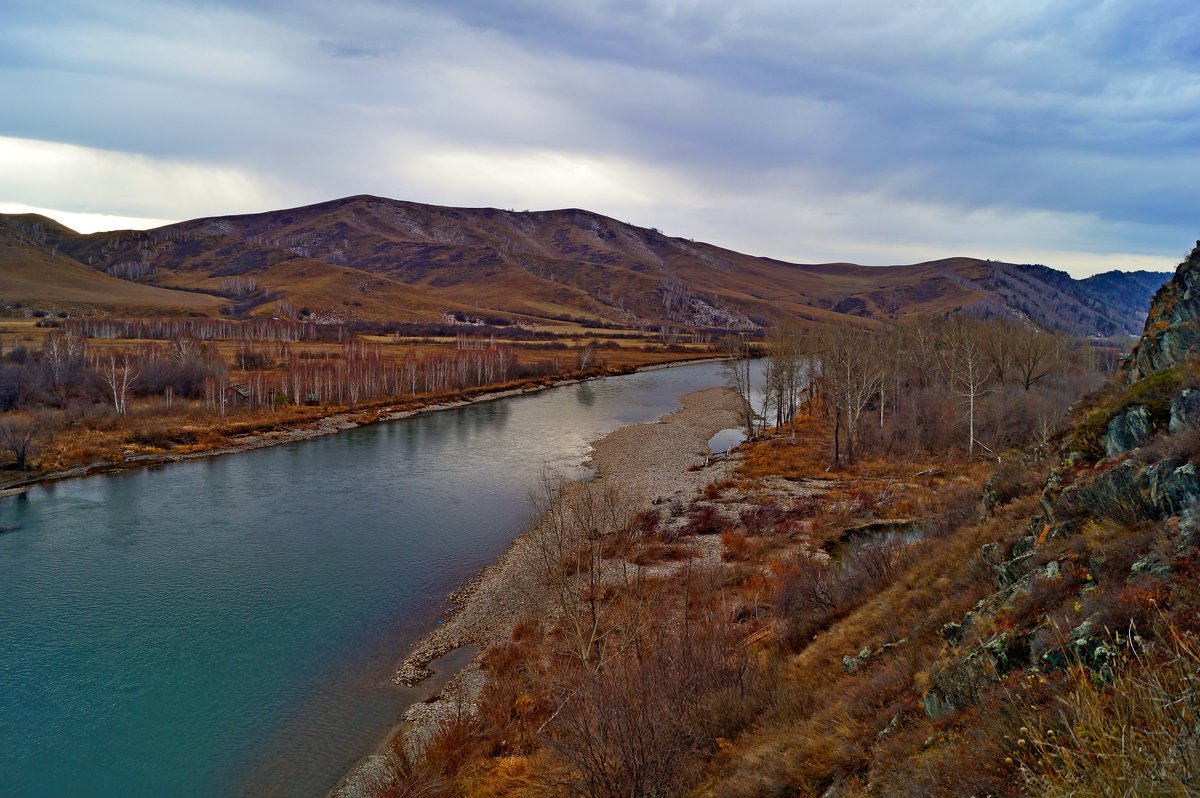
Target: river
x,y
230,626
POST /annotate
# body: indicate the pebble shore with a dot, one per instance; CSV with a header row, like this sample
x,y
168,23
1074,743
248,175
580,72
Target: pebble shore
x,y
648,464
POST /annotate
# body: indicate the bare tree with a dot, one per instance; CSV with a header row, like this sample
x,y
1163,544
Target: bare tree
x,y
585,356
739,376
998,340
785,372
850,365
119,374
63,354
186,347
20,436
1037,355
966,367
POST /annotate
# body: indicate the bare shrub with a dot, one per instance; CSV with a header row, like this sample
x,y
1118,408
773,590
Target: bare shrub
x,y
20,438
704,520
401,775
811,595
645,523
1126,609
876,564
958,505
760,519
1012,480
805,507
735,545
643,725
656,551
1044,593
580,544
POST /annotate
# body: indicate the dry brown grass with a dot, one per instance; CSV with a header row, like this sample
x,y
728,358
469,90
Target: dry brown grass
x,y
808,454
41,281
1134,735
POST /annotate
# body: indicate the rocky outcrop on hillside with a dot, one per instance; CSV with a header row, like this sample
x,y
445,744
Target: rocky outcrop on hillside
x,y
1114,524
1172,329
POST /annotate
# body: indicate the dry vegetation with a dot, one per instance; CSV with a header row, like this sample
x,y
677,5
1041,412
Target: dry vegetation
x,y
866,630
81,392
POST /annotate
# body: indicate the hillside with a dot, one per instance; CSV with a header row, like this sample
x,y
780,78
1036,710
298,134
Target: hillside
x,y
914,623
1126,292
372,258
1035,637
35,274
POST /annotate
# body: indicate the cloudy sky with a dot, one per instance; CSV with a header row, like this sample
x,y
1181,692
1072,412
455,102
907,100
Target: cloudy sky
x,y
1065,132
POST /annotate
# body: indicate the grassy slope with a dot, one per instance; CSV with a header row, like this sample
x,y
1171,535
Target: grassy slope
x,y
563,263
32,274
558,261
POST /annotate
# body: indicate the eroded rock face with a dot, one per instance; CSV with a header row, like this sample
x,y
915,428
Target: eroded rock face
x,y
1173,490
1173,327
1185,409
1128,430
1122,490
956,683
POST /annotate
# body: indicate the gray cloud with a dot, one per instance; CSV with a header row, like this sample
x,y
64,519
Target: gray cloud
x,y
690,112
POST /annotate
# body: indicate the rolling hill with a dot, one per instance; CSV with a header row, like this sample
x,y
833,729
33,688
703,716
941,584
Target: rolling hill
x,y
372,258
34,273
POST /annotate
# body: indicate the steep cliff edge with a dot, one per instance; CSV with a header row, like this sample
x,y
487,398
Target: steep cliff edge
x,y
1109,555
1172,331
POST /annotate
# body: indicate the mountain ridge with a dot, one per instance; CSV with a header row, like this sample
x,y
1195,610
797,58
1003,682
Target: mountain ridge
x,y
369,257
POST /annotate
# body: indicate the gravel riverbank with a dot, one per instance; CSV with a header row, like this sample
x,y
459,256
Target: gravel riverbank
x,y
648,464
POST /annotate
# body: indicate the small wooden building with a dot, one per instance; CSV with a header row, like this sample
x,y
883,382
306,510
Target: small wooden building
x,y
237,394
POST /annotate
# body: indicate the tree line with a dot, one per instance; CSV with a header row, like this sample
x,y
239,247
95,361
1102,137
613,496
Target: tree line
x,y
66,370
958,383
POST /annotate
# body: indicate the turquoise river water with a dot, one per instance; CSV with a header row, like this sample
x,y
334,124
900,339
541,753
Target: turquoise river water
x,y
229,626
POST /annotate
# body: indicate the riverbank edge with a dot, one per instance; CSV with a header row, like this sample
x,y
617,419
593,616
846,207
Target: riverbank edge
x,y
314,428
501,578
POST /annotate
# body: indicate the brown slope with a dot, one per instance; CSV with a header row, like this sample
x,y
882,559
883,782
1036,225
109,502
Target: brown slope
x,y
549,264
200,258
35,274
574,263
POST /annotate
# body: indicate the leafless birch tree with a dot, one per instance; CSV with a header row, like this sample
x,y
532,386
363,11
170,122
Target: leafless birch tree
x,y
850,366
739,376
119,374
966,367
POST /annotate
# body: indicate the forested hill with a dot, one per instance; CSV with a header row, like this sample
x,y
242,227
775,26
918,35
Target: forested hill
x,y
373,258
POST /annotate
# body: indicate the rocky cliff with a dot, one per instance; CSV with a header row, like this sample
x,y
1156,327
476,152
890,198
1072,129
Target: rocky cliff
x,y
1172,331
1110,551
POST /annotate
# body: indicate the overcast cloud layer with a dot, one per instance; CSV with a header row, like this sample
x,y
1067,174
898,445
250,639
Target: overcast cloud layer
x,y
1065,132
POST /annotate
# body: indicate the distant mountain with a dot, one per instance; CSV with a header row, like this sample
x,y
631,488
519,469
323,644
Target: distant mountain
x,y
1126,292
368,257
